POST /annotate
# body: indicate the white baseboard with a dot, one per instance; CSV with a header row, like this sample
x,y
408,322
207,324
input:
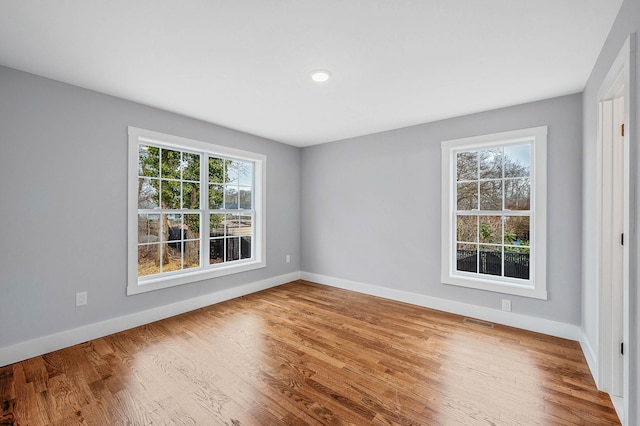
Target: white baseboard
x,y
592,362
28,349
525,322
590,356
42,345
618,405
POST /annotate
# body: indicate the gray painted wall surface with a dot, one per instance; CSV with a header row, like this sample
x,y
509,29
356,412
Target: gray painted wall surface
x,y
626,23
371,207
63,205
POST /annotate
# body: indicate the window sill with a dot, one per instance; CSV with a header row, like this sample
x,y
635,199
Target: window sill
x,y
526,290
144,286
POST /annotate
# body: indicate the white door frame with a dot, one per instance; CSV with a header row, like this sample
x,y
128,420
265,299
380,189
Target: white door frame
x,y
622,71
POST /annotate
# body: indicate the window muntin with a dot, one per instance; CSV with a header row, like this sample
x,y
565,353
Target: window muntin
x,y
197,208
494,212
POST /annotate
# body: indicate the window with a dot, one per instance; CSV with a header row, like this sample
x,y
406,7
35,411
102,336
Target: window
x,y
195,211
494,212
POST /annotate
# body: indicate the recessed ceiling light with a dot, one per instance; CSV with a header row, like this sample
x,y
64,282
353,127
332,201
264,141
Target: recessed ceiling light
x,y
320,76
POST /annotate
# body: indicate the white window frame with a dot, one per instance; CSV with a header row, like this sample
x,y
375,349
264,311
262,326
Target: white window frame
x,y
536,285
135,284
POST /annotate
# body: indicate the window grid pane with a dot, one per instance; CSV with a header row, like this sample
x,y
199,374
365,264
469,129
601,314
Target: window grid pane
x,y
170,182
495,181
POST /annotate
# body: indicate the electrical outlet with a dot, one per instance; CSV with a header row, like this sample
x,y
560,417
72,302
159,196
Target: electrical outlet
x,y
506,305
81,298
287,258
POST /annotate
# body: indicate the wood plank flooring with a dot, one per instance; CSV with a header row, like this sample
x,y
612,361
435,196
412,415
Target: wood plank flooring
x,y
303,353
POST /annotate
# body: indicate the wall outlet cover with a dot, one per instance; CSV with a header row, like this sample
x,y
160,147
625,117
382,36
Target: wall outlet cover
x,y
81,298
506,305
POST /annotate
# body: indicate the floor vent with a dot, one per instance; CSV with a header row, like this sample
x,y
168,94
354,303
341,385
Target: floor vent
x,y
478,322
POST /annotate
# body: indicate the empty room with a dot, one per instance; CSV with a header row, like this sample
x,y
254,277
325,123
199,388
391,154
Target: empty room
x,y
383,212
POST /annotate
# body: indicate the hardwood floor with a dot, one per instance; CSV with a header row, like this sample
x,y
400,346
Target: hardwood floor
x,y
303,353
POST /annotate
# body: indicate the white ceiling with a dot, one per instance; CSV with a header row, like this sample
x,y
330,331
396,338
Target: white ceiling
x,y
245,64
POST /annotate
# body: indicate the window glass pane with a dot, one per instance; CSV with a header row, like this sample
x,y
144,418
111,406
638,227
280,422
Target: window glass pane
x,y
170,194
172,257
516,263
148,259
233,249
490,261
490,230
172,227
170,164
245,197
191,254
190,195
231,197
467,195
467,166
216,251
232,224
192,226
231,171
216,170
174,232
245,225
491,195
517,194
467,228
245,173
516,230
148,193
148,161
245,247
517,161
216,223
148,228
190,166
467,258
491,163
216,196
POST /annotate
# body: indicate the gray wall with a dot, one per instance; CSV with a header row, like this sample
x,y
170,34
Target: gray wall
x,y
371,207
63,195
626,23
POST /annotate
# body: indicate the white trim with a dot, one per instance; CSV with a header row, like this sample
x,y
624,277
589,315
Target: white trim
x,y
589,354
627,407
134,284
536,286
631,316
525,322
618,405
180,142
191,277
31,348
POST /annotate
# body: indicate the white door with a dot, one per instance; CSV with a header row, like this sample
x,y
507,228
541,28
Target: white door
x,y
612,238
